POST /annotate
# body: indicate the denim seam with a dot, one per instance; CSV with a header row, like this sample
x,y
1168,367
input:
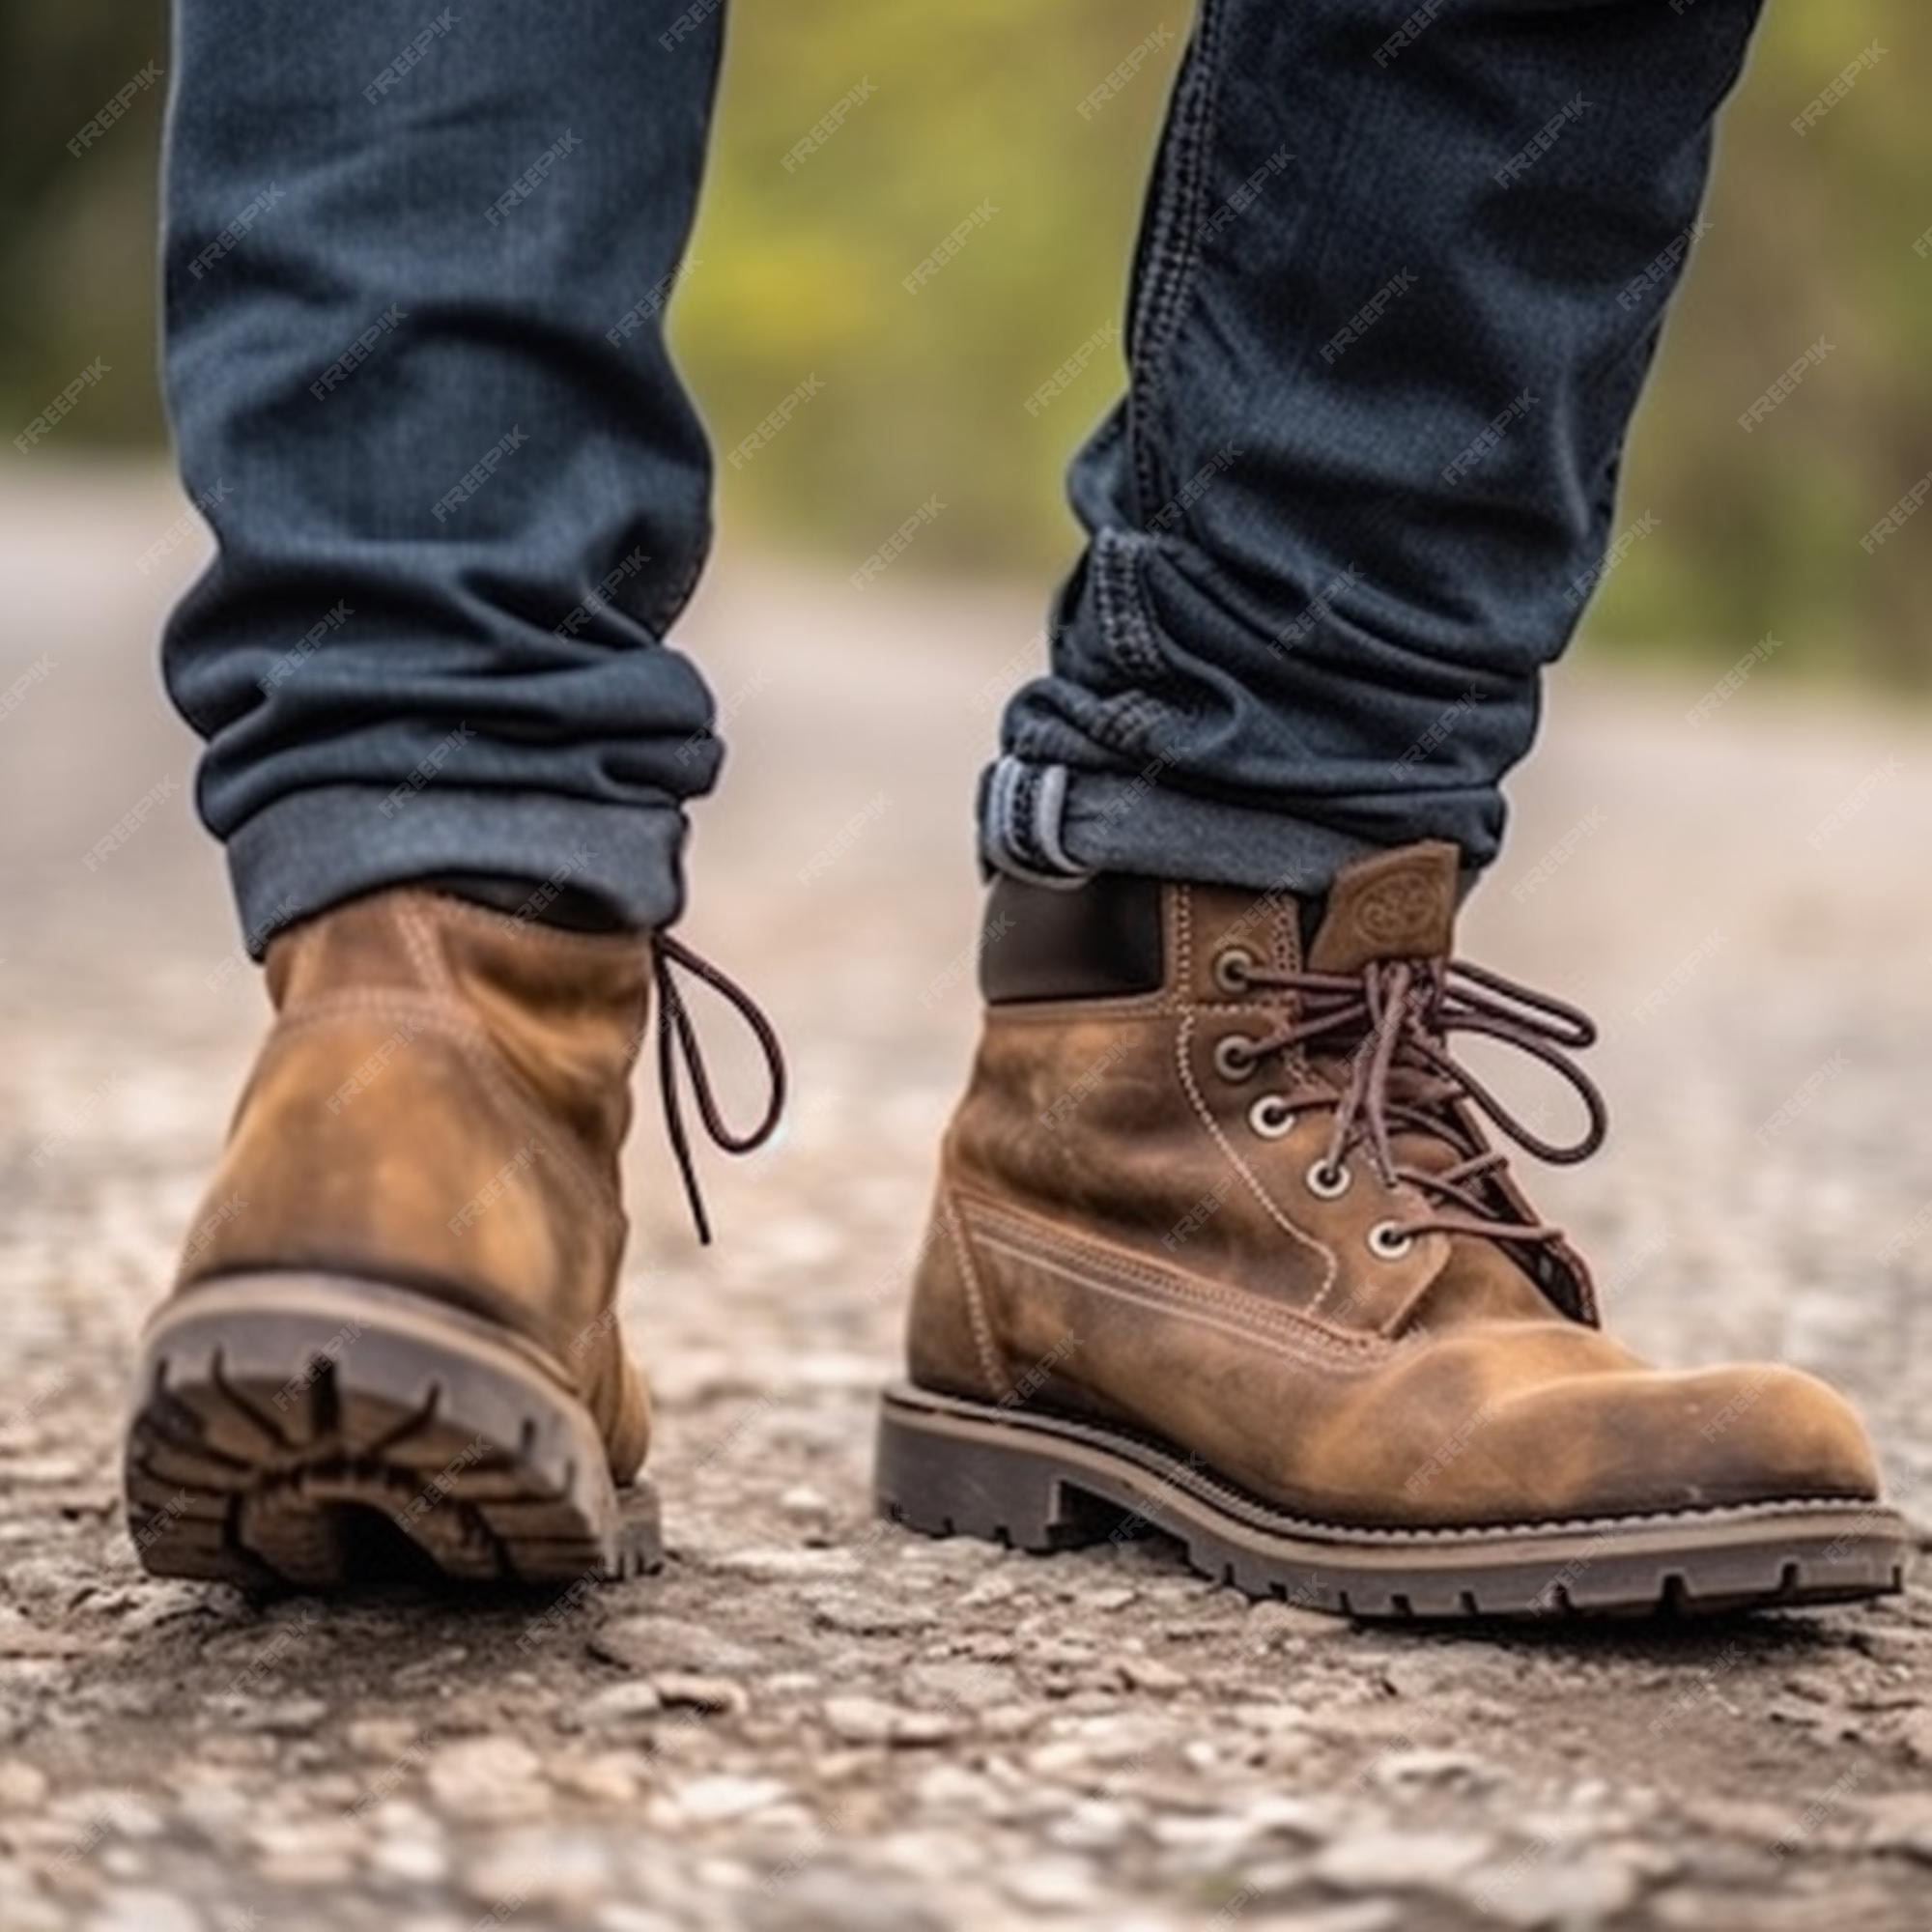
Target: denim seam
x,y
1125,621
1025,810
1174,245
1020,808
1165,266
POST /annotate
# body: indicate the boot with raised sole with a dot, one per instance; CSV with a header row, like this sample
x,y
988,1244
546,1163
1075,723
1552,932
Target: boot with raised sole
x,y
1220,1248
392,1346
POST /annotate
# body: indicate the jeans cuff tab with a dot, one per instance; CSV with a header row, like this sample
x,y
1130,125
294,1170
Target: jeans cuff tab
x,y
1024,808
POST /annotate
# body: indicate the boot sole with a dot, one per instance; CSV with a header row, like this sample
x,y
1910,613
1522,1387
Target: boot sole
x,y
1043,1483
308,1431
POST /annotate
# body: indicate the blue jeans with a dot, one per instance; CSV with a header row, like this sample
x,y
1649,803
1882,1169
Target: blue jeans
x,y
1401,275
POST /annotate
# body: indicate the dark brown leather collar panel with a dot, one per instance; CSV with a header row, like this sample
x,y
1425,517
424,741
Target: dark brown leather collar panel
x,y
1097,939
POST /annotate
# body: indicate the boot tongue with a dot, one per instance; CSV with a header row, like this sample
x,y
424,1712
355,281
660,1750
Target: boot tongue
x,y
1401,904
1392,906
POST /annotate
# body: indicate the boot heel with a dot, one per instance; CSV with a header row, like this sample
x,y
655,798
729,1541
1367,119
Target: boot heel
x,y
944,1481
304,1430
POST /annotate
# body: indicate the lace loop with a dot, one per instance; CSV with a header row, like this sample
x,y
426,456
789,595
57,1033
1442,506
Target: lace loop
x,y
678,1037
1394,1018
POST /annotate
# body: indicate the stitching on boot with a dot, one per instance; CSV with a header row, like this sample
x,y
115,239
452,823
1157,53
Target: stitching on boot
x,y
1292,1323
1183,949
1331,1264
1152,1301
1247,1307
990,1365
1193,1300
1288,941
424,953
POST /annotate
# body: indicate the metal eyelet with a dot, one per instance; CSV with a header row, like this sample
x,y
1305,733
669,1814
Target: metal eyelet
x,y
1272,1117
1329,1183
1234,1056
1388,1242
1232,967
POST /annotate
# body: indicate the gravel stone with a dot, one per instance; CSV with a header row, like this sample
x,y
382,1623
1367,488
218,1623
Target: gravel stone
x,y
486,1781
682,1689
869,1720
715,1800
1568,1888
1392,1860
614,1706
859,1614
143,1911
653,1643
23,1786
1051,1883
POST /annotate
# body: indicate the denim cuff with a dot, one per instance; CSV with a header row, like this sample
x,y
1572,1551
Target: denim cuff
x,y
1056,826
315,848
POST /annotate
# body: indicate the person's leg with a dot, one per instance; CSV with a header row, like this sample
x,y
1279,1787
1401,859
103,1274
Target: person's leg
x,y
1399,282
417,274
1218,1220
417,278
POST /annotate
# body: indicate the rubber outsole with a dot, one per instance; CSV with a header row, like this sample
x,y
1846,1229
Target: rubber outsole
x,y
307,1430
947,1466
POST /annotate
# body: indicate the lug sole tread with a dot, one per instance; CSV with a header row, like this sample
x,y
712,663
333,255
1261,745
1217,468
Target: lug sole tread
x,y
948,1468
267,1451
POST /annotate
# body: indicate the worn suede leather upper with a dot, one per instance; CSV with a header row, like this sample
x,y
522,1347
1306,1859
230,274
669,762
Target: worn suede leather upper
x,y
440,1107
1115,1239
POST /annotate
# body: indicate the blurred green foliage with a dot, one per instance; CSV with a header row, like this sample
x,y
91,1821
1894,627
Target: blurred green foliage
x,y
77,276
798,272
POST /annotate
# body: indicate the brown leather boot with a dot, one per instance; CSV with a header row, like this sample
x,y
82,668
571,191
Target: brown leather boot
x,y
394,1336
1219,1245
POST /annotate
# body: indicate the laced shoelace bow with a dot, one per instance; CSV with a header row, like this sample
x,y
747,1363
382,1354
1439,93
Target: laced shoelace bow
x,y
678,1037
1402,1014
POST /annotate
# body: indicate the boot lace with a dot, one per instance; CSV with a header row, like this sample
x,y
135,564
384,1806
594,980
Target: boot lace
x,y
1400,1015
677,1039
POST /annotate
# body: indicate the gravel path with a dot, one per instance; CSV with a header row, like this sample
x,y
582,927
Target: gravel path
x,y
806,1722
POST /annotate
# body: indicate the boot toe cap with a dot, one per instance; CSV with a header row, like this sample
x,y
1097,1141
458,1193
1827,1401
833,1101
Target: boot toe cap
x,y
1645,1440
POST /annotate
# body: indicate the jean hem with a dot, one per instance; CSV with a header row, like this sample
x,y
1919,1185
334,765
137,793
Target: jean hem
x,y
1109,823
315,848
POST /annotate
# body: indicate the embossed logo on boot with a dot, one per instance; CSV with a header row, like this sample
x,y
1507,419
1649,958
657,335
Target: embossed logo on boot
x,y
1400,915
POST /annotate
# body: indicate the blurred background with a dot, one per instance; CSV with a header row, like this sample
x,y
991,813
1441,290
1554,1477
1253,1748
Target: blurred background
x,y
1731,879
1808,237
